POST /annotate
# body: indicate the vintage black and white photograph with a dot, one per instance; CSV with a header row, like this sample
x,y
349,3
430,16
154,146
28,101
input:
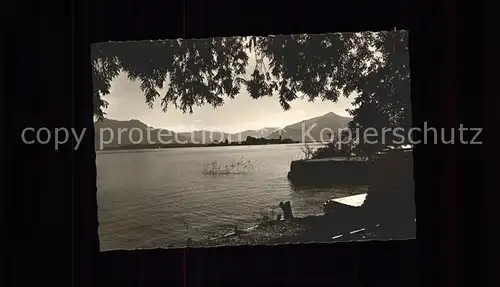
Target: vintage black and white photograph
x,y
253,140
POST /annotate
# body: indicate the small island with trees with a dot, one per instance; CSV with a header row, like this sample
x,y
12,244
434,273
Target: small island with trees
x,y
254,141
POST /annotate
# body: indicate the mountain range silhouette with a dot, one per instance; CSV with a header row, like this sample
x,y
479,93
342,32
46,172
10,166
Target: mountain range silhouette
x,y
304,131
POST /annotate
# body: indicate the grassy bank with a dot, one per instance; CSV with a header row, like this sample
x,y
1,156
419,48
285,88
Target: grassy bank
x,y
274,232
261,234
347,226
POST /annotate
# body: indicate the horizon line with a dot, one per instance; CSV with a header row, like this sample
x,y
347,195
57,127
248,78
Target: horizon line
x,y
208,130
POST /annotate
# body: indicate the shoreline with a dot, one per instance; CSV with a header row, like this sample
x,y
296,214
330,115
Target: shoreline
x,y
187,145
350,225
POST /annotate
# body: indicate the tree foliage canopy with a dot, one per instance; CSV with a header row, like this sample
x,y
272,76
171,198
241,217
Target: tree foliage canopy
x,y
210,71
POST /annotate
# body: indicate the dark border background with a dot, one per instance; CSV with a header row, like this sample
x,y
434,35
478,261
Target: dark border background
x,y
50,216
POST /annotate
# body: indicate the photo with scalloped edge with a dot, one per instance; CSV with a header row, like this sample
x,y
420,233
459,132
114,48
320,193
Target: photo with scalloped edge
x,y
253,140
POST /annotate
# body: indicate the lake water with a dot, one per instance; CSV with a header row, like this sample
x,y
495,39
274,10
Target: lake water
x,y
155,198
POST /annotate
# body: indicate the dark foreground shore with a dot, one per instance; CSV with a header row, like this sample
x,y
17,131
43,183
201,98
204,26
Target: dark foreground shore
x,y
351,226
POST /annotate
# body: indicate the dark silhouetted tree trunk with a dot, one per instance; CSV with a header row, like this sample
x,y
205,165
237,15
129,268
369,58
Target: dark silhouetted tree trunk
x,y
287,210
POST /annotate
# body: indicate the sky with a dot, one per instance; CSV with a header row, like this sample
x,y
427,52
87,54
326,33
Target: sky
x,y
127,101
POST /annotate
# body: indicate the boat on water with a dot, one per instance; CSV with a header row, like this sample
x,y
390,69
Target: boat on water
x,y
391,187
344,203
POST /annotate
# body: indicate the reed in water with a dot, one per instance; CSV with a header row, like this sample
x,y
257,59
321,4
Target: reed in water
x,y
239,166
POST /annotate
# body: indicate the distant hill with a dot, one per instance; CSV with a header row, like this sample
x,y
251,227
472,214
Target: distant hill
x,y
130,136
205,136
262,133
313,127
